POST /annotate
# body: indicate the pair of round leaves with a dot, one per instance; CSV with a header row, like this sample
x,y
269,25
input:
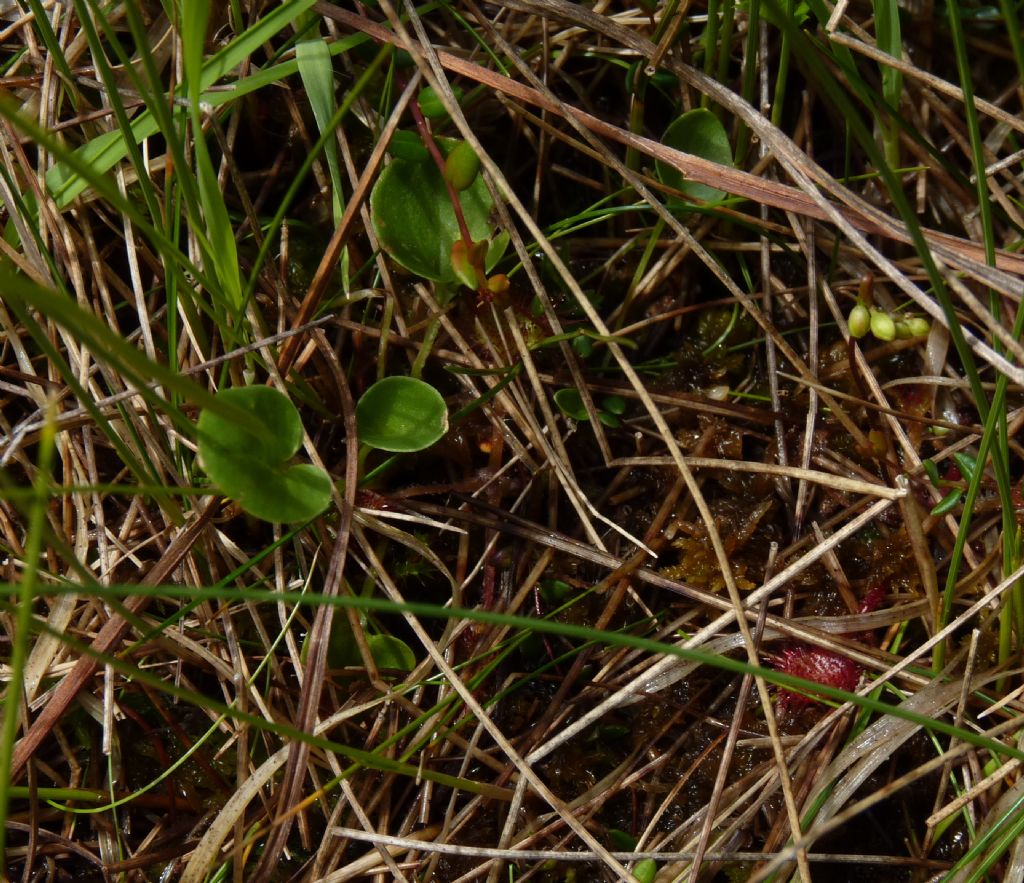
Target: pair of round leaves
x,y
248,459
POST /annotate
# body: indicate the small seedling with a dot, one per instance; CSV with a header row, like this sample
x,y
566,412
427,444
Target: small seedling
x,y
610,408
388,652
416,224
967,466
408,146
253,467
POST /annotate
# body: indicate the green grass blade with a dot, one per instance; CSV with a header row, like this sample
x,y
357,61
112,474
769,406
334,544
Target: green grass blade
x,y
317,74
889,40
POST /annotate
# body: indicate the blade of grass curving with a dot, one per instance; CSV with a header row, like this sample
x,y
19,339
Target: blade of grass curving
x,y
568,630
103,186
42,23
710,44
991,845
22,616
785,56
169,117
369,759
725,44
748,78
1012,22
839,99
995,427
54,358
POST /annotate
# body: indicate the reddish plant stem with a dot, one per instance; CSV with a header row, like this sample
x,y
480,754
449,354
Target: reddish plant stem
x,y
435,152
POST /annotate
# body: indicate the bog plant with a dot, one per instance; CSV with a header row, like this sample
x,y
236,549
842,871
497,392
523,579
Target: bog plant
x,y
609,408
415,218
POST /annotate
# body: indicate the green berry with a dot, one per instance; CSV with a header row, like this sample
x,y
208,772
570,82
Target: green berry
x,y
919,326
859,321
461,166
882,325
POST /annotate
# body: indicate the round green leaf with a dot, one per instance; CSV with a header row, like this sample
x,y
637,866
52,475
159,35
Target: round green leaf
x,y
391,652
407,145
401,414
570,403
414,218
702,134
252,468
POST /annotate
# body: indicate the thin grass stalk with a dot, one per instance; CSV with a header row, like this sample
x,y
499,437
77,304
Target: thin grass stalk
x,y
435,611
1006,622
785,54
23,619
748,76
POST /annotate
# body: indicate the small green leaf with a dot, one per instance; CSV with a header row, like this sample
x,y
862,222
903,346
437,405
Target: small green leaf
x,y
414,218
496,250
391,652
431,105
342,650
614,405
554,591
702,134
968,465
401,415
646,870
407,145
583,345
317,73
623,841
570,403
252,468
932,471
948,502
